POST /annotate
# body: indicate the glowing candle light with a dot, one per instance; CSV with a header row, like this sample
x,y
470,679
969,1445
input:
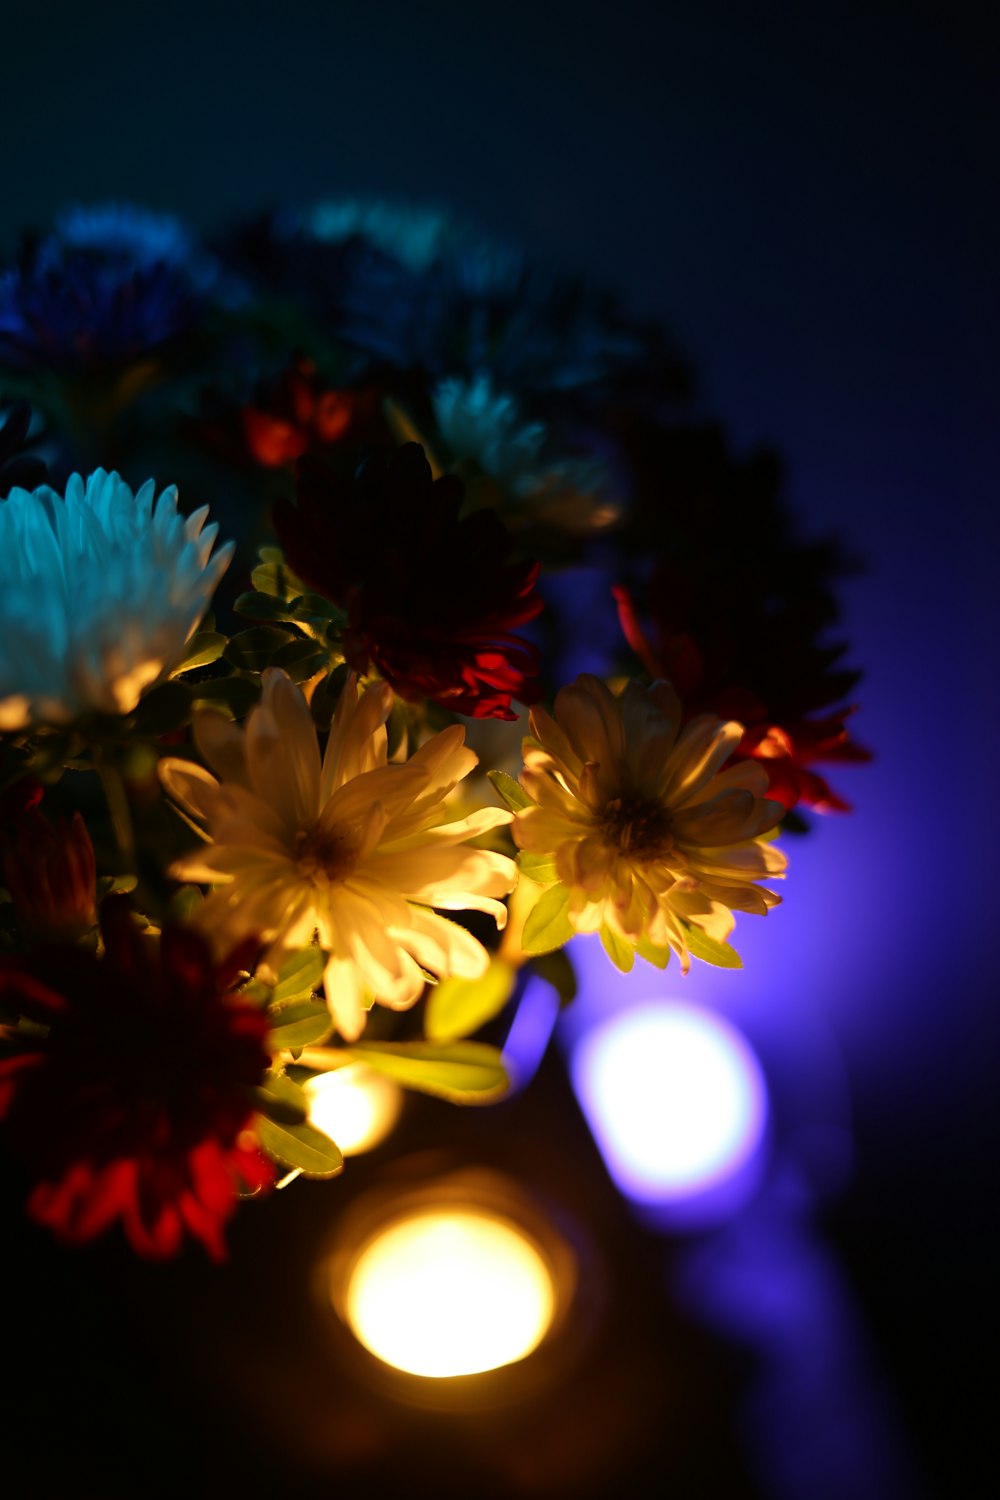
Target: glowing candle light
x,y
353,1106
677,1104
450,1291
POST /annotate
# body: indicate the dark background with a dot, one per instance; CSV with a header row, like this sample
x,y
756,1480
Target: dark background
x,y
808,195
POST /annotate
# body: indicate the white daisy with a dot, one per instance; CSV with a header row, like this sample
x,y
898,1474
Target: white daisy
x,y
99,592
349,848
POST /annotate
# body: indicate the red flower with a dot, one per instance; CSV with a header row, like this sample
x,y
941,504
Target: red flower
x,y
134,1106
770,678
295,414
431,598
51,875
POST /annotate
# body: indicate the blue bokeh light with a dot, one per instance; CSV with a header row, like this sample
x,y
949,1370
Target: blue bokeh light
x,y
677,1104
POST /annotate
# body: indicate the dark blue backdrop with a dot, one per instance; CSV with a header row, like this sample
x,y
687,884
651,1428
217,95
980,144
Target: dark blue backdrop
x,y
808,194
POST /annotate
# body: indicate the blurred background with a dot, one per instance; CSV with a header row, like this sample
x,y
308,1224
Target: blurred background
x,y
807,197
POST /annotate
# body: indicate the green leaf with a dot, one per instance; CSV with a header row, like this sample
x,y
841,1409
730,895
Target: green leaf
x,y
457,1007
256,991
300,1023
284,1132
510,791
621,953
122,884
300,659
184,903
162,709
299,975
556,969
301,1147
461,1072
653,954
538,867
233,696
253,650
258,606
314,609
201,650
710,951
273,576
281,1100
548,925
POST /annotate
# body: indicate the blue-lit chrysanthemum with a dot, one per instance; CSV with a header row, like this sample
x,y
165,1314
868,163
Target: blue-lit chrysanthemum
x,y
109,284
479,422
99,591
416,234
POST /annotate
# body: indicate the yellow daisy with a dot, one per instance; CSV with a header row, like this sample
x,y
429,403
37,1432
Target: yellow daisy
x,y
348,847
648,834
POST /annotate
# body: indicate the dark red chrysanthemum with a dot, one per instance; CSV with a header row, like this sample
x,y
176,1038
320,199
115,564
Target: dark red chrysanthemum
x,y
769,676
51,874
736,607
134,1104
431,598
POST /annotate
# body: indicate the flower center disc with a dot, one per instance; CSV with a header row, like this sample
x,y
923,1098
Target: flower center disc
x,y
637,828
326,854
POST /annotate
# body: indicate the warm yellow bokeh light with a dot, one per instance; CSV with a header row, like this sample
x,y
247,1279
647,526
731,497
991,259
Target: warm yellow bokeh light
x,y
450,1292
353,1106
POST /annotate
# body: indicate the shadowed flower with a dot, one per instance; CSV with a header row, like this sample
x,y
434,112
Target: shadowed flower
x,y
135,1104
294,413
650,836
350,848
51,875
431,598
98,594
736,608
108,285
793,675
480,423
19,468
415,234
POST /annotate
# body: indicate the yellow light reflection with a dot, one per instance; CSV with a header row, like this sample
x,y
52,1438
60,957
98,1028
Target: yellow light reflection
x,y
353,1106
450,1292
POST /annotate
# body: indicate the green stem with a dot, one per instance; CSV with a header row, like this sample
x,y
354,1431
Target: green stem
x,y
121,815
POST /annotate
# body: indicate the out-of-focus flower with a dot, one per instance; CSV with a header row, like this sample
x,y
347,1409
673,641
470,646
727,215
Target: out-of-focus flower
x,y
416,234
431,599
650,836
108,285
135,1106
735,609
713,671
352,848
18,468
294,414
488,309
51,875
98,594
480,423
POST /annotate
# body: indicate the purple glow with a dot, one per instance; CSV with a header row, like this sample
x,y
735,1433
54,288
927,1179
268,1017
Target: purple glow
x,y
530,1031
677,1104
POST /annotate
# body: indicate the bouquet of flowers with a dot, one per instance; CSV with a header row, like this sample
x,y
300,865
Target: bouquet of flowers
x,y
279,806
